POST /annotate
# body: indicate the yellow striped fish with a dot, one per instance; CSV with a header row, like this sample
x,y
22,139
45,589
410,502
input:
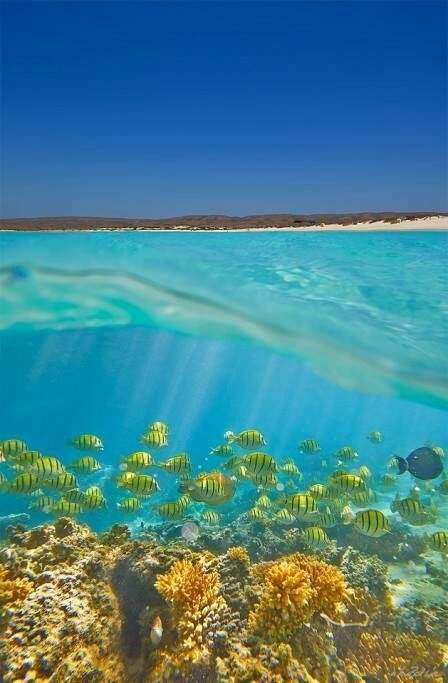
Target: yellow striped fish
x,y
291,468
364,473
328,518
375,437
300,504
85,464
249,438
224,449
210,516
94,501
407,506
61,482
170,510
154,439
213,488
86,442
184,501
46,465
93,491
11,447
318,491
3,482
142,485
158,427
259,463
393,464
233,462
64,507
74,496
439,541
346,454
371,523
315,537
255,513
124,478
284,516
177,464
24,483
266,480
309,446
42,503
27,457
363,498
129,505
346,483
264,502
140,460
240,472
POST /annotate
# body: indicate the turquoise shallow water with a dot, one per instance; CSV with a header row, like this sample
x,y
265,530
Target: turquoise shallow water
x,y
365,310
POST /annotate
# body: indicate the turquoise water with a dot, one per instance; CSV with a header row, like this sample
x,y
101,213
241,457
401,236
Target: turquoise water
x,y
301,336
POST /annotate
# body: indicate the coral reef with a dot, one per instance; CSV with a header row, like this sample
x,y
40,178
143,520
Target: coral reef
x,y
397,657
77,608
62,617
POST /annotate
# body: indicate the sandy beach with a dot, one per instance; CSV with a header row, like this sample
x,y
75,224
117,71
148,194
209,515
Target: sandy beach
x,y
429,223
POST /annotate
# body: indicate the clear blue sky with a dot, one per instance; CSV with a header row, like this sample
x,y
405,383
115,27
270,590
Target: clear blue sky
x,y
158,109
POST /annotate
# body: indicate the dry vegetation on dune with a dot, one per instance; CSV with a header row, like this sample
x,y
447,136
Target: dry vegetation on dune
x,y
205,222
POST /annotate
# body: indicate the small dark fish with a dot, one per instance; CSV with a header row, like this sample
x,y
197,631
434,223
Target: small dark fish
x,y
423,463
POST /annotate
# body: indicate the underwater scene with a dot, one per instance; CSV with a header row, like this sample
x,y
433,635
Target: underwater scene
x,y
223,457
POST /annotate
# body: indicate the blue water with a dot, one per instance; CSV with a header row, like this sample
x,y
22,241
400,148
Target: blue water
x,y
366,310
214,342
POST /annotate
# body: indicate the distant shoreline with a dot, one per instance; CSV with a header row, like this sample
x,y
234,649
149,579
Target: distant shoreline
x,y
272,222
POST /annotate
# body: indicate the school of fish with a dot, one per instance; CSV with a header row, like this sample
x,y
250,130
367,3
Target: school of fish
x,y
275,496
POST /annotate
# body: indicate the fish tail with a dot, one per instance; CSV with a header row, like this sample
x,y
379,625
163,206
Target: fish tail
x,y
70,442
402,465
183,487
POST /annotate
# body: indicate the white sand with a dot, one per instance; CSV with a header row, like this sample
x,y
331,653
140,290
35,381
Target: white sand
x,y
429,223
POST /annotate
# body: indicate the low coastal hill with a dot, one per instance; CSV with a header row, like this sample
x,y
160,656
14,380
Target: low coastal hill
x,y
209,222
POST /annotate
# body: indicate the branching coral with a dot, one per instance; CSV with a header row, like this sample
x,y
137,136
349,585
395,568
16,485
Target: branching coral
x,y
293,591
285,601
396,657
274,664
193,593
239,554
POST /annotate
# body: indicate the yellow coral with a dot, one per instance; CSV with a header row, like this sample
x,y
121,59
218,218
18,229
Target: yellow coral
x,y
397,657
12,589
284,602
239,554
292,592
194,596
328,582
